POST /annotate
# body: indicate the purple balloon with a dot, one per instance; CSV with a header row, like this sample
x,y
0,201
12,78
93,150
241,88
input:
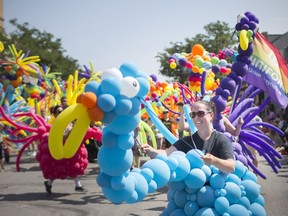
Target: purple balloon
x,y
245,27
240,68
244,20
228,83
247,52
154,77
215,68
238,26
182,62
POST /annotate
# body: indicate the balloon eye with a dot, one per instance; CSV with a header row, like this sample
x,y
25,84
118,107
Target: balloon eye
x,y
135,83
129,87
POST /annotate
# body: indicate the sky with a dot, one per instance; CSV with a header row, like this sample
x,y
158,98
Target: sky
x,y
111,32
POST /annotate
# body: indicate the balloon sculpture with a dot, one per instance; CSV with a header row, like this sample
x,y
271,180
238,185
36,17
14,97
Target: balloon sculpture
x,y
119,100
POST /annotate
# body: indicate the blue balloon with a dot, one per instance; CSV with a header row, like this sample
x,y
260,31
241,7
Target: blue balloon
x,y
233,192
252,189
123,105
118,182
141,186
240,169
103,180
129,69
108,117
180,198
244,201
125,141
217,181
176,185
257,209
92,86
110,85
108,160
260,200
250,176
119,196
144,86
236,210
136,105
194,157
190,208
124,124
187,110
221,205
206,169
206,212
206,196
147,174
183,165
109,139
106,102
195,179
161,171
233,178
178,212
159,124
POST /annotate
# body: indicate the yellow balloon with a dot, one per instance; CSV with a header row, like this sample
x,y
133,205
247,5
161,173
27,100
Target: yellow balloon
x,y
1,47
76,112
57,87
243,40
150,132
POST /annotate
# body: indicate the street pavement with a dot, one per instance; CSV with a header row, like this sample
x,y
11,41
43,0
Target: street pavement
x,y
23,194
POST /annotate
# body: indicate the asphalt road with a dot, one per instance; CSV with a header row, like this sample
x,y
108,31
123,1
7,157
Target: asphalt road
x,y
23,194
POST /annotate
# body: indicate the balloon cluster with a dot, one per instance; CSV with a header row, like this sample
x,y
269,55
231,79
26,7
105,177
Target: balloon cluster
x,y
239,68
198,62
196,189
19,66
61,169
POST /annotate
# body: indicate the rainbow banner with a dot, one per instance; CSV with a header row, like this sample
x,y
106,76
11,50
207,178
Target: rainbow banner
x,y
268,71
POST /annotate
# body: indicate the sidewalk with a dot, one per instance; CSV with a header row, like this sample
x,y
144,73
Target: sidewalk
x,y
23,193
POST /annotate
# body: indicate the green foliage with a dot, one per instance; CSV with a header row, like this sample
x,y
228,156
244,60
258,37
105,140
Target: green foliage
x,y
41,44
218,36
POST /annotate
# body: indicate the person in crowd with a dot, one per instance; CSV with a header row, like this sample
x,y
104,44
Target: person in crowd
x,y
56,110
167,121
136,149
64,102
217,148
2,146
182,124
92,147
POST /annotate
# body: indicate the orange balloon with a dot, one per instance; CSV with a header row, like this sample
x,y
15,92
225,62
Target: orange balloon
x,y
18,73
79,98
195,69
198,49
89,99
152,88
95,113
164,84
14,83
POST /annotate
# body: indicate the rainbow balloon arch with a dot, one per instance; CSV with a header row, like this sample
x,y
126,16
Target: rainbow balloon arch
x,y
129,95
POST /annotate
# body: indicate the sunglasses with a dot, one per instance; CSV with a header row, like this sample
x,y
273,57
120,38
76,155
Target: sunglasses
x,y
200,114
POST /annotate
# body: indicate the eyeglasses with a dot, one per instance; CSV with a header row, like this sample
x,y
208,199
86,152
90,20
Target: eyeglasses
x,y
200,113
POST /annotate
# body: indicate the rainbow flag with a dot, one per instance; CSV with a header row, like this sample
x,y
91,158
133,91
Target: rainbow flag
x,y
268,71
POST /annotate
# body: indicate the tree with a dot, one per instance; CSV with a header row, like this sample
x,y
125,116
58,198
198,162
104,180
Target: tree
x,y
41,44
219,35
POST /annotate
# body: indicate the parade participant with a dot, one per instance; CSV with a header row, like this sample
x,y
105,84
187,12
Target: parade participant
x,y
216,146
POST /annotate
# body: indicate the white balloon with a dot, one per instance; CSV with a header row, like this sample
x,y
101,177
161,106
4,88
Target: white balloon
x,y
112,72
129,87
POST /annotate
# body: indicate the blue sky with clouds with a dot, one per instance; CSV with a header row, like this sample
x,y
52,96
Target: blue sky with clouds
x,y
109,33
